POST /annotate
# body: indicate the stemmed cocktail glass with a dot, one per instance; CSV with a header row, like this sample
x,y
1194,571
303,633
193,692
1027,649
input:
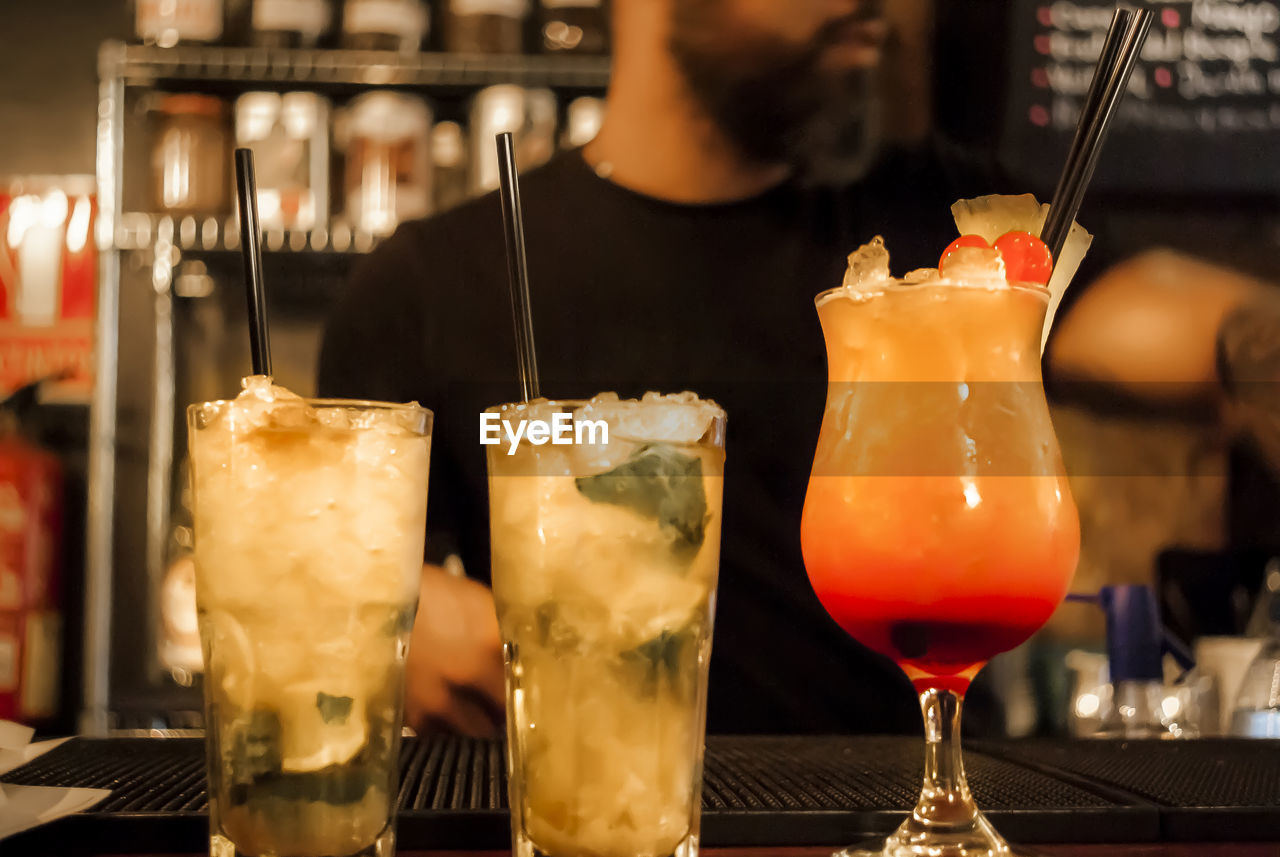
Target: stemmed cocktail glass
x,y
938,528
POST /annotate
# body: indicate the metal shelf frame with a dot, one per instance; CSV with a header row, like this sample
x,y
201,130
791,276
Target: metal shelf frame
x,y
152,246
194,235
141,65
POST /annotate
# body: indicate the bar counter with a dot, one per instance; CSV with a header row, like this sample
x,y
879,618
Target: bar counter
x,y
1194,849
784,797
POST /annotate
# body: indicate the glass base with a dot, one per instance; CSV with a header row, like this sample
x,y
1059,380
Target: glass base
x,y
977,839
383,846
525,847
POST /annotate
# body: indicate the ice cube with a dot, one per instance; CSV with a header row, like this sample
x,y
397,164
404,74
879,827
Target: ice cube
x,y
603,454
921,275
262,404
976,266
868,266
675,418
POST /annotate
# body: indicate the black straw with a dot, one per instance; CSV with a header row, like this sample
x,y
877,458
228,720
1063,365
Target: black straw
x,y
1110,79
517,267
251,253
1108,58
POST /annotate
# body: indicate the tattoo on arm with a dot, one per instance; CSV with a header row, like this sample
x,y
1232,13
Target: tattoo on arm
x,y
1248,356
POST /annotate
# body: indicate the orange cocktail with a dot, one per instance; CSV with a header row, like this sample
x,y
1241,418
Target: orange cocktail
x,y
938,528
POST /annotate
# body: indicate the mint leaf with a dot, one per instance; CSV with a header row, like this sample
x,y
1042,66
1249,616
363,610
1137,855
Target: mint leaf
x,y
336,785
334,709
667,659
663,651
555,633
657,481
254,746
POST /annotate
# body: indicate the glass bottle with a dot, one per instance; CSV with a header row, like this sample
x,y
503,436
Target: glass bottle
x,y
385,25
1257,705
486,26
190,150
290,23
573,26
166,23
386,140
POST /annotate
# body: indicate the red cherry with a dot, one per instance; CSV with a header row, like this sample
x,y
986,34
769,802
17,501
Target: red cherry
x,y
962,241
1026,258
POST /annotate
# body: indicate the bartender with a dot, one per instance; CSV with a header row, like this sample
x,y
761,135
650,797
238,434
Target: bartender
x,y
681,249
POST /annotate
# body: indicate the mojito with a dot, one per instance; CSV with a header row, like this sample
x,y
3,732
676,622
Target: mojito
x,y
309,525
605,556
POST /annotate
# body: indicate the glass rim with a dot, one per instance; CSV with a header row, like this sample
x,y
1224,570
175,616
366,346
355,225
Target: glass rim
x,y
720,419
579,403
899,284
354,404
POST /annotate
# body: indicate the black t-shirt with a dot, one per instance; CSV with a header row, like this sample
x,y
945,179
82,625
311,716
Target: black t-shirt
x,y
630,293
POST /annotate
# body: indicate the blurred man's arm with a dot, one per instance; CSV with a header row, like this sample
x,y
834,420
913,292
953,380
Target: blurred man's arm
x,y
1249,366
1168,329
1149,325
454,677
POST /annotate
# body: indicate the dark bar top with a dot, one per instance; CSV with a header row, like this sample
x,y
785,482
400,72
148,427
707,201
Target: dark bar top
x,y
791,797
1186,849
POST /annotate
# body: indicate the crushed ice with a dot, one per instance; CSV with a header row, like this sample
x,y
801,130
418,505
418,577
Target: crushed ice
x,y
976,265
868,266
868,270
673,418
262,404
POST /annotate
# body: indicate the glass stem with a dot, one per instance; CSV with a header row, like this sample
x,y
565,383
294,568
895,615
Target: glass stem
x,y
945,801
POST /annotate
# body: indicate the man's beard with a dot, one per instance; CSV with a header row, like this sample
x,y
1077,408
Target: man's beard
x,y
773,100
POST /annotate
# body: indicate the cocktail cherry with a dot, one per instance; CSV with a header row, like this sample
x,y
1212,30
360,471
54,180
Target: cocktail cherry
x,y
1026,258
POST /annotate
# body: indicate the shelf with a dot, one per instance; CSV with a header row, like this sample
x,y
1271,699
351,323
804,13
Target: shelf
x,y
142,65
193,235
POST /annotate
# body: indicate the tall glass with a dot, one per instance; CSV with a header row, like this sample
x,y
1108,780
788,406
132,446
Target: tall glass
x,y
938,528
309,524
605,559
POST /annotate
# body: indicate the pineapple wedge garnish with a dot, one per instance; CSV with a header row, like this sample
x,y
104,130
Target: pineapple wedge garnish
x,y
994,215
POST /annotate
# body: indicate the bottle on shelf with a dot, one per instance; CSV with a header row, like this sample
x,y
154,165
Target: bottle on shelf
x,y
485,26
530,116
385,138
385,25
449,162
166,23
289,135
573,26
583,119
189,154
290,23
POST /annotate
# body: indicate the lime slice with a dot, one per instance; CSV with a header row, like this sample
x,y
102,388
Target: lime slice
x,y
232,663
994,215
320,725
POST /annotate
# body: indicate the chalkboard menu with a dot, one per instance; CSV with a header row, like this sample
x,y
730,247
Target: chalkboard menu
x,y
1202,114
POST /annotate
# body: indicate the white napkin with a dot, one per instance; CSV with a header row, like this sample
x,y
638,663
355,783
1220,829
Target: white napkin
x,y
24,807
11,758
